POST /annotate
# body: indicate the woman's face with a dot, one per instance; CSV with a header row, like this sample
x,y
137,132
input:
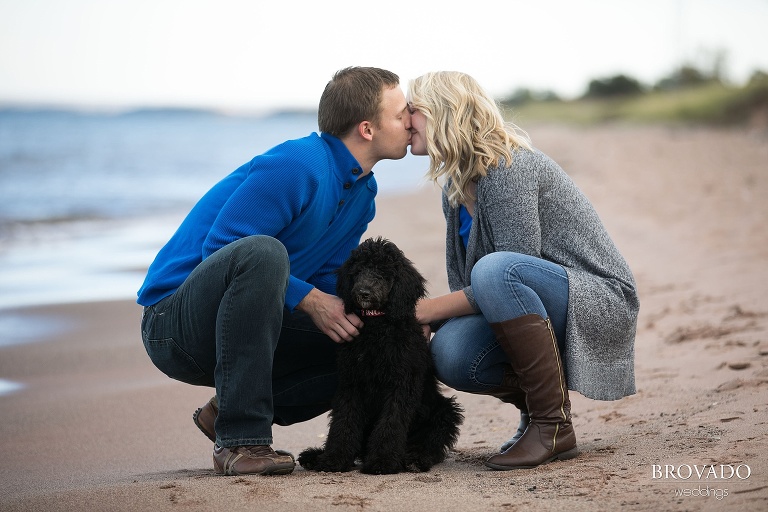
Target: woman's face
x,y
418,131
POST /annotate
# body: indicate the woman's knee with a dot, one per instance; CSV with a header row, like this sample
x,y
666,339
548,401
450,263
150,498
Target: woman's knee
x,y
489,269
507,285
455,360
450,369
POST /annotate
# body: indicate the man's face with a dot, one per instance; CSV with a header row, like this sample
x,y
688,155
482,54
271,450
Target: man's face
x,y
393,131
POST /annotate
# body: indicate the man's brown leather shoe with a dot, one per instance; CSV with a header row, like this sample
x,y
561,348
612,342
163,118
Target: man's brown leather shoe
x,y
205,418
251,460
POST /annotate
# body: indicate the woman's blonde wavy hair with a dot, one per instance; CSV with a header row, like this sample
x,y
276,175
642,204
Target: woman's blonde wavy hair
x,y
466,132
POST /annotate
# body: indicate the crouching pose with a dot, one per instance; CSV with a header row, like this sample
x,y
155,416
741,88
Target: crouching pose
x,y
541,300
241,298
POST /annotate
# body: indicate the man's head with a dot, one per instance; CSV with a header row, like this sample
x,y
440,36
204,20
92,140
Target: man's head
x,y
353,95
366,108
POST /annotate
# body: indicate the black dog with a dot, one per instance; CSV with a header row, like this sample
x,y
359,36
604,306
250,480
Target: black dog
x,y
387,411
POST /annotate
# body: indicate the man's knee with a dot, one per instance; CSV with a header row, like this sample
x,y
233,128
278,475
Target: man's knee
x,y
261,251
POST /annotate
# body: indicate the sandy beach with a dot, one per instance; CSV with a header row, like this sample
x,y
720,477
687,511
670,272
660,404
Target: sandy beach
x,y
97,427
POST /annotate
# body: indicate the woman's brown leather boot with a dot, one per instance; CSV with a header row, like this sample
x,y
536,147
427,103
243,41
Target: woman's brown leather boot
x,y
532,349
509,392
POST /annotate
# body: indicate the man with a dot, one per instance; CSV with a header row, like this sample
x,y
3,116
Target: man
x,y
242,296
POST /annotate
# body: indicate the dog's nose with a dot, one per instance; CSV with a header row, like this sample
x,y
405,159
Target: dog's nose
x,y
364,293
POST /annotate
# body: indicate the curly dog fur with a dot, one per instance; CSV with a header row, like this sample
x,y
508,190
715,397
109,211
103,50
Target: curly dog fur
x,y
388,411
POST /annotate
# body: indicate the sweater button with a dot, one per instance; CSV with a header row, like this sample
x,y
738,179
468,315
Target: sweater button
x,y
355,171
347,186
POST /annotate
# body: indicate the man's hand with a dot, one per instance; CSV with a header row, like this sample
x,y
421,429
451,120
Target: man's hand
x,y
327,312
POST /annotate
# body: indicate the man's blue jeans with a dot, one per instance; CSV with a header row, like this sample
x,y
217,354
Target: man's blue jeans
x,y
227,327
505,285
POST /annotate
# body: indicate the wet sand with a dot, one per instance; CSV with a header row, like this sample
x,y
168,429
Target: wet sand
x,y
97,427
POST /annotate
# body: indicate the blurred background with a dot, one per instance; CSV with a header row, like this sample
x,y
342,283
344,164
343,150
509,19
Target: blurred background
x,y
115,116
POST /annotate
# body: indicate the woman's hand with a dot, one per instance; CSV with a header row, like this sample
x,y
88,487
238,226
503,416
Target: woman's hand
x,y
422,313
425,311
429,311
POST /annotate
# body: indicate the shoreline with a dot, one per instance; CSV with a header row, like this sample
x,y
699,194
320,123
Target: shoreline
x,y
98,427
88,260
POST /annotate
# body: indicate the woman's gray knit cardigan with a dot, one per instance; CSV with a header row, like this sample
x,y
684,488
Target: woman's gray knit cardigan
x,y
533,208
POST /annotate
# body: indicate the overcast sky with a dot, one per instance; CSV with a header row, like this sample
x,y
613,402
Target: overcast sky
x,y
258,54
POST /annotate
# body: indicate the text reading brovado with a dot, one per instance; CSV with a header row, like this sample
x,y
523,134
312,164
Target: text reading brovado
x,y
700,472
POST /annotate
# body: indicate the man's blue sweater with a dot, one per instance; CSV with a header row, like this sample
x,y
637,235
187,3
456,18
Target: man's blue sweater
x,y
305,193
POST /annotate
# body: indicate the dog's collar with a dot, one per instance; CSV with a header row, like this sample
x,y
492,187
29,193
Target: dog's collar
x,y
371,312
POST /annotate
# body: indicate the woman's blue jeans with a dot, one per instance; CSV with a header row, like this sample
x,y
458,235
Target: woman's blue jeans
x,y
505,285
227,327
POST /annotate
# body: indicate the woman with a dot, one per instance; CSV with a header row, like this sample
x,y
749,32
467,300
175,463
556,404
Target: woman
x,y
541,300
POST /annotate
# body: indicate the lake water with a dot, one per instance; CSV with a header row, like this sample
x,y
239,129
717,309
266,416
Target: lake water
x,y
87,199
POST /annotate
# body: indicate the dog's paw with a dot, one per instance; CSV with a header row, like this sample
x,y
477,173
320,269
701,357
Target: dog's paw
x,y
316,459
308,458
420,465
334,467
382,467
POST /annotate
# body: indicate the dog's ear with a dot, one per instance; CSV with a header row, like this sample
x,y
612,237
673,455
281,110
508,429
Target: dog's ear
x,y
408,288
344,280
345,274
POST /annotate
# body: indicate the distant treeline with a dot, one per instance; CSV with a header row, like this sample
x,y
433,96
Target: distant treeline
x,y
688,94
686,76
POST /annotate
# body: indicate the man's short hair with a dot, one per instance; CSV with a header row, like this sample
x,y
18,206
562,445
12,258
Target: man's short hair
x,y
352,96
